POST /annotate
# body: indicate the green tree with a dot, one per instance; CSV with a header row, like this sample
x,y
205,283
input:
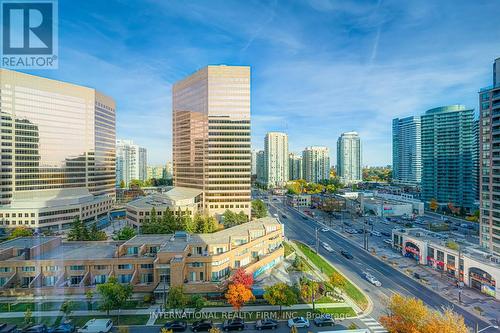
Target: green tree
x,y
122,184
153,218
21,232
67,308
78,231
197,302
136,183
188,223
125,233
231,219
177,299
89,295
114,295
95,234
280,294
259,209
28,317
205,224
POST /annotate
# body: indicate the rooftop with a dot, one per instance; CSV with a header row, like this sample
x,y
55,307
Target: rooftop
x,y
25,242
166,199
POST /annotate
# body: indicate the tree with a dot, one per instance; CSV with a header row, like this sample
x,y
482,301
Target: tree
x,y
280,294
242,277
122,184
237,295
405,314
177,299
231,219
125,233
447,322
452,245
21,232
80,232
197,302
67,308
205,224
113,294
28,317
96,234
338,280
136,184
433,205
259,209
309,290
89,295
188,223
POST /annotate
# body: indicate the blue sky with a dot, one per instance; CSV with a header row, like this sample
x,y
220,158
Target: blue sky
x,y
319,67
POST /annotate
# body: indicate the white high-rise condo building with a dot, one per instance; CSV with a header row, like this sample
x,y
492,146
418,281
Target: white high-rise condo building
x,y
276,159
261,167
407,150
349,158
131,162
316,164
211,136
295,167
57,152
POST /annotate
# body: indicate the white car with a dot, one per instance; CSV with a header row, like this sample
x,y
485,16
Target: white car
x,y
97,326
372,279
298,322
327,247
325,229
375,233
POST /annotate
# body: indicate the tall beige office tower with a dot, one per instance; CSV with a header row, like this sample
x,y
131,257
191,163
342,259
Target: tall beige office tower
x,y
55,136
276,159
211,136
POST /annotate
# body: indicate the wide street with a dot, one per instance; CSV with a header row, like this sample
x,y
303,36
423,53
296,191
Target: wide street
x,y
393,281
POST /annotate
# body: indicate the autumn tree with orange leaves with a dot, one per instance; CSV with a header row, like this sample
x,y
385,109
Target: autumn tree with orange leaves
x,y
242,277
410,315
238,294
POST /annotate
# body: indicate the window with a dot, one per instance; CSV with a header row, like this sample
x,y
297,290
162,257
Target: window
x,y
76,268
3,280
51,268
28,269
192,276
147,278
125,266
100,267
124,278
98,279
132,250
76,279
5,269
49,281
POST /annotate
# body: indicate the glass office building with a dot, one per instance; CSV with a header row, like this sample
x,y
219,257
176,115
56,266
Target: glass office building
x,y
349,158
54,135
406,150
211,136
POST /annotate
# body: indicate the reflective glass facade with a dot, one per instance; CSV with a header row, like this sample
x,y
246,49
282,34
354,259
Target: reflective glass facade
x,y
54,135
211,136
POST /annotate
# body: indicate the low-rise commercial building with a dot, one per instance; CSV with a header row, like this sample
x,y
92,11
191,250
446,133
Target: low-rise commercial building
x,y
54,210
201,263
385,204
299,200
476,267
178,200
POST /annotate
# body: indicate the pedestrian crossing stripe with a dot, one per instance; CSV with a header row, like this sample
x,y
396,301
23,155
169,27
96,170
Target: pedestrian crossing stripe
x,y
373,325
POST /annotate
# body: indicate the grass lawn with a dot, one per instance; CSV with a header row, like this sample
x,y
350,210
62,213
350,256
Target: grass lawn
x,y
54,306
288,249
350,289
80,320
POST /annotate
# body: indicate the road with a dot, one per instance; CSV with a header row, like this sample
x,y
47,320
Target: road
x,y
392,280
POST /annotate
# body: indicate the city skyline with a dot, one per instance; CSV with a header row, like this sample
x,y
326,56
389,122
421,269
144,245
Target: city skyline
x,y
388,57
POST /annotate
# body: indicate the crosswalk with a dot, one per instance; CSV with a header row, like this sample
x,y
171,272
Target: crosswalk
x,y
373,325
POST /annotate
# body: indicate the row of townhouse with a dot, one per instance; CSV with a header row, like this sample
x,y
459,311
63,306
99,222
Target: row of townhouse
x,y
150,263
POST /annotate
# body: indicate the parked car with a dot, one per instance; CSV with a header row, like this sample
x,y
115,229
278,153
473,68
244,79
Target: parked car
x,y
176,326
375,233
416,276
266,324
235,324
388,241
327,247
202,325
324,320
63,328
298,322
346,254
385,233
305,218
8,328
36,329
284,216
97,326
